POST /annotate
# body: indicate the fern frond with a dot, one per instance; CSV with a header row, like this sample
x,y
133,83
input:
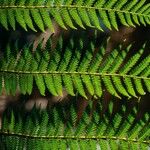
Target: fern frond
x,y
57,129
75,73
91,13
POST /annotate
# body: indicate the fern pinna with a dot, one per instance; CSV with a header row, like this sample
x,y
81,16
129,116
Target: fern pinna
x,y
75,68
99,14
58,128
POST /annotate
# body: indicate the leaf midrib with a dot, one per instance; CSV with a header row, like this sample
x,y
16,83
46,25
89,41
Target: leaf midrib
x,y
74,73
78,137
77,7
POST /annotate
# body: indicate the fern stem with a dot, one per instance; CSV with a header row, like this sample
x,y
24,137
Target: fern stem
x,y
77,73
77,7
73,137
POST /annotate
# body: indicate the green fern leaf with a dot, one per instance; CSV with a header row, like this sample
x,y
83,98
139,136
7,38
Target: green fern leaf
x,y
72,13
75,70
47,129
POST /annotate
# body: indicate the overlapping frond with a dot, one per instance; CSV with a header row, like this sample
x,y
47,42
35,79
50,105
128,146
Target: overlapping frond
x,y
57,129
77,69
100,14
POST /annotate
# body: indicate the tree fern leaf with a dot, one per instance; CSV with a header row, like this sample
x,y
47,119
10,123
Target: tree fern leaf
x,y
21,2
66,78
113,144
37,19
37,120
120,4
123,127
74,62
105,18
30,2
146,73
109,4
7,83
116,123
129,20
119,86
4,2
147,82
3,20
29,84
28,19
144,8
97,86
133,133
135,19
129,86
47,20
83,144
94,66
141,66
100,3
122,19
113,20
68,84
130,5
57,2
144,134
125,10
84,17
40,84
12,122
134,146
131,62
78,84
103,144
58,84
11,19
20,19
66,18
73,144
144,146
116,64
79,2
87,81
74,14
13,84
94,19
85,62
62,144
147,19
142,20
139,87
68,2
123,145
58,18
22,85
89,2
147,11
93,144
50,84
138,6
108,62
110,86
43,64
75,71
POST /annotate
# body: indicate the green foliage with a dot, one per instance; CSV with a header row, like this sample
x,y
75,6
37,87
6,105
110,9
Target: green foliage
x,y
57,128
73,14
75,68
